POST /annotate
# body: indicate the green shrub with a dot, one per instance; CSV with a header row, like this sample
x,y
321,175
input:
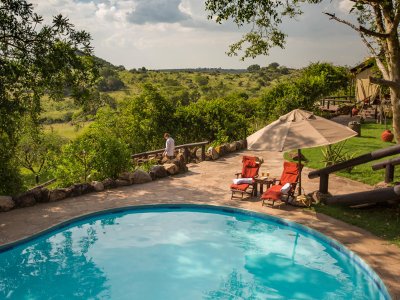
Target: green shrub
x,y
94,155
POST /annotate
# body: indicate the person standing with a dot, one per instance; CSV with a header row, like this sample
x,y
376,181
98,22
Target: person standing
x,y
169,146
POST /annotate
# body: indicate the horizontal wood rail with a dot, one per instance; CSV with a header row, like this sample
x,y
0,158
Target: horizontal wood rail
x,y
388,165
323,173
184,146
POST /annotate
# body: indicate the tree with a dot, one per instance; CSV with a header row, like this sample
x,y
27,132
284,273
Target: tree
x,y
35,59
254,68
36,150
377,24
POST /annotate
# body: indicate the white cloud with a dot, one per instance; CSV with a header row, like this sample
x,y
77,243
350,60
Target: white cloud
x,y
139,33
345,5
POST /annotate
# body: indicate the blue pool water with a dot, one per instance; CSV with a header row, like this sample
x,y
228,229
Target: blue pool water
x,y
184,253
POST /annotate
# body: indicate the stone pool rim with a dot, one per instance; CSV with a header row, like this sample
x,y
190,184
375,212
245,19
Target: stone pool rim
x,y
354,258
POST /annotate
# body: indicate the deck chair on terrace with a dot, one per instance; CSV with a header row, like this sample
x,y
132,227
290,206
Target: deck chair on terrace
x,y
250,167
290,178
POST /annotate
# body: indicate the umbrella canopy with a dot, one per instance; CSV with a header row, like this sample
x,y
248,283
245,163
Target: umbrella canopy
x,y
296,130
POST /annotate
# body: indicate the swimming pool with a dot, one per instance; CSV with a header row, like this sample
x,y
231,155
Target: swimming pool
x,y
184,252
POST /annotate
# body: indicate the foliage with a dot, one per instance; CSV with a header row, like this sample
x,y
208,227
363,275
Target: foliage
x,y
139,121
265,17
376,22
253,68
334,154
36,150
36,59
303,91
94,155
214,120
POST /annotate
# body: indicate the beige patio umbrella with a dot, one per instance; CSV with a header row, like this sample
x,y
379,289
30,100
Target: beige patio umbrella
x,y
297,130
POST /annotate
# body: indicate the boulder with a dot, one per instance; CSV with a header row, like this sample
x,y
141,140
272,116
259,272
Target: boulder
x,y
198,153
121,182
109,183
80,189
243,143
58,194
179,161
172,169
238,145
26,199
212,153
43,196
140,176
232,147
6,203
98,186
224,149
127,176
158,171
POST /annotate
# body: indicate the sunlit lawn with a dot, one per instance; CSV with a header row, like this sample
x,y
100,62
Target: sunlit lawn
x,y
369,141
381,220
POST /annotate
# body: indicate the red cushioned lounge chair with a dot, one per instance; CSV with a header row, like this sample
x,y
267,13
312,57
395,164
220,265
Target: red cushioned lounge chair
x,y
290,175
251,165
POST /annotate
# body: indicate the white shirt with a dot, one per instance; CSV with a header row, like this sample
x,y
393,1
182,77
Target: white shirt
x,y
170,146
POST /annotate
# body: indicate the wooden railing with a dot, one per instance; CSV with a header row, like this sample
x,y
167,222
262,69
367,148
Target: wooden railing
x,y
186,151
323,173
334,100
388,165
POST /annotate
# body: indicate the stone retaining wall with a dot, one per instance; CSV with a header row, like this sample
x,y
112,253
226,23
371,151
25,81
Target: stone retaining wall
x,y
163,168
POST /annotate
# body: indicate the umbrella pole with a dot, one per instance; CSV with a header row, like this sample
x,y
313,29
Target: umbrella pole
x,y
299,159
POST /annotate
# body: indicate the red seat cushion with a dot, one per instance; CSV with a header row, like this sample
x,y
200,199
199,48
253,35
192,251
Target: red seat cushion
x,y
273,193
241,187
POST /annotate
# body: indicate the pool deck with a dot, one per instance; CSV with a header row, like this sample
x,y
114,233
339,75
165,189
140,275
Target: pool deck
x,y
208,183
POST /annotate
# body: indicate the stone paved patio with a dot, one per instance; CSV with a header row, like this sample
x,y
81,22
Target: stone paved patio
x,y
208,183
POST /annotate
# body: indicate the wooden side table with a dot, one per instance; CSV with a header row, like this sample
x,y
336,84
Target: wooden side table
x,y
261,181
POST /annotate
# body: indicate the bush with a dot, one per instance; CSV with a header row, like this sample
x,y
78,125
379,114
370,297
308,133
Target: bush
x,y
95,155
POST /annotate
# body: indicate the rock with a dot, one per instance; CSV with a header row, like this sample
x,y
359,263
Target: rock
x,y
127,176
58,194
198,153
158,171
212,153
80,189
243,144
121,182
98,186
238,145
179,161
166,160
232,147
44,196
25,200
109,183
224,149
6,203
172,169
140,176
318,197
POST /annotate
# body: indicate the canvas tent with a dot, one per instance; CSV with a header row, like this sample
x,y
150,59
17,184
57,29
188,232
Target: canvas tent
x,y
365,91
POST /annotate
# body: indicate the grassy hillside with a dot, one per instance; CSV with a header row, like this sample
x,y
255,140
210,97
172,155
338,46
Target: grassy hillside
x,y
183,86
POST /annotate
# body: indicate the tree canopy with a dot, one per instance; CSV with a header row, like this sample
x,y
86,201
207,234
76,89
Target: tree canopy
x,y
377,23
36,59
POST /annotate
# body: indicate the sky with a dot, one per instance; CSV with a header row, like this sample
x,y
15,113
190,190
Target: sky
x,y
169,34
